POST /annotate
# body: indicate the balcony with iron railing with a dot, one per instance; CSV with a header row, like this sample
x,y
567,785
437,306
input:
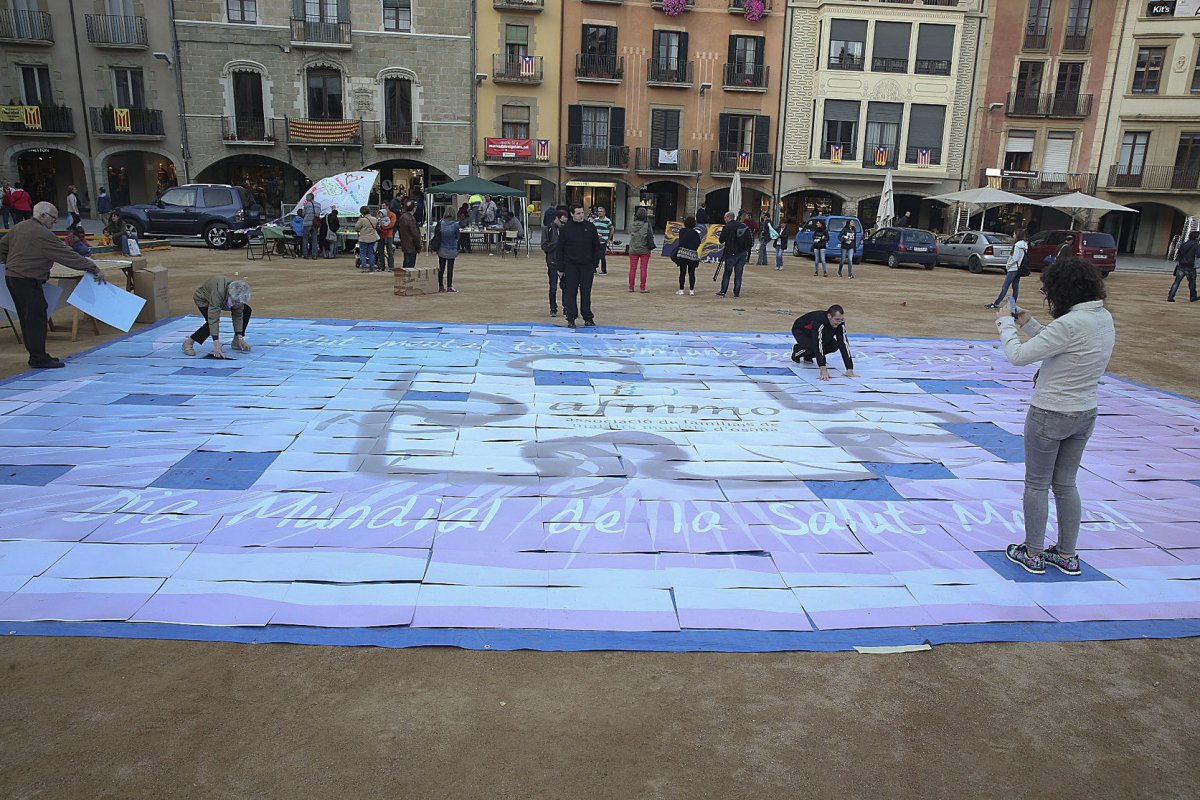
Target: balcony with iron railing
x,y
1153,178
659,4
398,133
25,27
110,30
1064,104
302,132
599,69
42,121
315,33
931,66
520,69
612,157
739,6
247,130
932,158
727,162
518,5
127,123
1077,41
1045,184
873,158
846,61
650,160
879,64
1037,37
746,77
847,154
668,72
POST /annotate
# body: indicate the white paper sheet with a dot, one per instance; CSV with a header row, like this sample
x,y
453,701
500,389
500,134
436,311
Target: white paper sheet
x,y
106,302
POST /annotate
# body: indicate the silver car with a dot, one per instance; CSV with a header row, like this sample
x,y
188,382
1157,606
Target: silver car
x,y
976,250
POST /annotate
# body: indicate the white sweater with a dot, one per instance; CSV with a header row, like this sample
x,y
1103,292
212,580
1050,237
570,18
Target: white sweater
x,y
1074,350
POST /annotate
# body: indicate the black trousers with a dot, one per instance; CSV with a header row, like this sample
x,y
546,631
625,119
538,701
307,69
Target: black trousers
x,y
201,334
687,269
31,311
446,271
552,276
577,293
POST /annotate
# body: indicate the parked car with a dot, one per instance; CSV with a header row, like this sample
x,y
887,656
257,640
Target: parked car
x,y
896,246
1100,249
976,250
833,225
206,210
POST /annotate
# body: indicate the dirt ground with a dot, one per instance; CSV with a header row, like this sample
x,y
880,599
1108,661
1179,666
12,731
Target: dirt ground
x,y
84,718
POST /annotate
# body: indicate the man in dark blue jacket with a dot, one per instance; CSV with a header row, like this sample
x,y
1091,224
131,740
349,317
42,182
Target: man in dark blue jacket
x,y
577,256
1185,267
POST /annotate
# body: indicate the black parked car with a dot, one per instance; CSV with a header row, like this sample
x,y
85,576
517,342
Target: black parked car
x,y
207,210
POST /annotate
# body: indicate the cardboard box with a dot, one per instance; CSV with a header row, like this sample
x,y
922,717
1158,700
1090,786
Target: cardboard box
x,y
414,281
150,283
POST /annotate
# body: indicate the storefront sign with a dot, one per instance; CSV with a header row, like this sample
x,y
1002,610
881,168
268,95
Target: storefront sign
x,y
1018,173
29,116
1173,8
508,148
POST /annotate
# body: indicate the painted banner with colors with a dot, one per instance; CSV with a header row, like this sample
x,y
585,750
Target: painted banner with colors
x,y
710,246
349,191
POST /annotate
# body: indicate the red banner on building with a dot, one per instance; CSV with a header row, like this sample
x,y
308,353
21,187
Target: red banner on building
x,y
508,148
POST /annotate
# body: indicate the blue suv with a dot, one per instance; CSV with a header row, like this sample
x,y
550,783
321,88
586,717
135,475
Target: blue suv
x,y
833,226
210,211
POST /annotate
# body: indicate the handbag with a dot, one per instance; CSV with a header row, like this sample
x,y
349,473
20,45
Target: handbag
x,y
132,248
687,254
436,242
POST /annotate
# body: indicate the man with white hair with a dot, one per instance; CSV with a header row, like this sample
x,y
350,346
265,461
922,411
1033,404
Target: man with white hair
x,y
28,252
215,295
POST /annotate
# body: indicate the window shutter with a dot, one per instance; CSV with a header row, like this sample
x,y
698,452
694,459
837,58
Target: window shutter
x,y
658,132
925,126
343,10
848,30
574,124
724,127
1057,159
935,42
732,49
297,9
612,41
762,134
683,51
891,40
654,45
842,110
760,49
616,127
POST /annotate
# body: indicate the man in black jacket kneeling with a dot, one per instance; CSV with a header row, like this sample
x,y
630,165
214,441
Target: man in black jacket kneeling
x,y
818,333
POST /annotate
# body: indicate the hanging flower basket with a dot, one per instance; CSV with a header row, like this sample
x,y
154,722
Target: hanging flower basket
x,y
673,8
754,10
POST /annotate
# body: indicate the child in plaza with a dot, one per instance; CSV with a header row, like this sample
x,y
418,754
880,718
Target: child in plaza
x,y
215,295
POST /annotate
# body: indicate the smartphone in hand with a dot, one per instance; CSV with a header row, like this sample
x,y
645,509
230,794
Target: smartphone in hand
x,y
1012,306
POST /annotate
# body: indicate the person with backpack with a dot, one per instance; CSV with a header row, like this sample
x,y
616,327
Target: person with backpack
x,y
687,253
848,239
738,239
1185,267
820,244
550,236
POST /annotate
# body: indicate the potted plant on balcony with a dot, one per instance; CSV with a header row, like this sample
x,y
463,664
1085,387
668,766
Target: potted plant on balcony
x,y
673,8
754,10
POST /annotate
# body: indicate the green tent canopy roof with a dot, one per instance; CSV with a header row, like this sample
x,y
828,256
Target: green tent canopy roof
x,y
476,185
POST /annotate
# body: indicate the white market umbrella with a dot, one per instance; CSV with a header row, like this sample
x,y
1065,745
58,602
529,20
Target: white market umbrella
x,y
887,203
1078,204
735,193
984,198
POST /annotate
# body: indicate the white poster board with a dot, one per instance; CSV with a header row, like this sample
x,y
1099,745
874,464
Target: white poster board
x,y
349,191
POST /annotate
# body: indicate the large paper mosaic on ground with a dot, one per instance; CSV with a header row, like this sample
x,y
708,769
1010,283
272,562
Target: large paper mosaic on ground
x,y
399,479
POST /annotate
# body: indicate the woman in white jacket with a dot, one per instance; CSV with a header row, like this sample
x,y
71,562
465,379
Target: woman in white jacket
x,y
1074,350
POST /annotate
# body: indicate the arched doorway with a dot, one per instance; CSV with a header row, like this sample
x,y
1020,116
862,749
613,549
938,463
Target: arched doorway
x,y
1147,233
137,176
927,214
404,176
273,183
716,202
666,201
799,206
46,172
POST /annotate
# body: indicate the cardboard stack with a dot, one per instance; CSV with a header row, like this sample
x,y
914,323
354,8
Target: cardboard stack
x,y
150,283
414,281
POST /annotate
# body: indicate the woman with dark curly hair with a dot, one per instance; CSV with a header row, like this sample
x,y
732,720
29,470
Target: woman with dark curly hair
x,y
1074,350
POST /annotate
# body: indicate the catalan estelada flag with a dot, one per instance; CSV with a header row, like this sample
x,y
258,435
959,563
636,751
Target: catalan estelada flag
x,y
121,120
881,155
835,153
527,67
33,118
542,153
923,157
743,162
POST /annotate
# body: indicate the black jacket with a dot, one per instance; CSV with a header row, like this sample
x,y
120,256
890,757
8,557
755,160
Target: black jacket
x,y
820,338
1187,253
820,238
578,247
689,239
729,238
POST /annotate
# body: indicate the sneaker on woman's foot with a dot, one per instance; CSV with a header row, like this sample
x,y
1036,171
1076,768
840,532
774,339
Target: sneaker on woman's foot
x,y
1019,555
692,292
189,349
451,290
679,292
1067,565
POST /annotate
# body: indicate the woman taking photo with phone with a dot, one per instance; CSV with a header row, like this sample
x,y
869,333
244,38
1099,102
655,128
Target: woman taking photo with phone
x,y
1074,350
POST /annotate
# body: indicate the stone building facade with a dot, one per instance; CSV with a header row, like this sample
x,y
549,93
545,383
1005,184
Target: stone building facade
x,y
89,100
281,93
874,86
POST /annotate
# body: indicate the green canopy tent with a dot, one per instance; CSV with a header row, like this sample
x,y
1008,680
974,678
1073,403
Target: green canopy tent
x,y
476,185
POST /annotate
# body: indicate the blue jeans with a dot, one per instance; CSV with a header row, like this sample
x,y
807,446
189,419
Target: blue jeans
x,y
778,257
366,256
312,247
847,261
819,261
1012,279
1054,445
734,266
385,253
762,253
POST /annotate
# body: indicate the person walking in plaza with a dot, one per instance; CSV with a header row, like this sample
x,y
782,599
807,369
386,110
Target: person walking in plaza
x,y
641,244
5,211
848,239
687,253
215,295
446,244
367,228
385,250
738,239
1074,350
1185,267
819,333
73,217
819,246
1012,271
20,204
764,239
330,225
310,212
604,227
579,251
103,204
28,251
780,245
550,235
410,236
114,226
